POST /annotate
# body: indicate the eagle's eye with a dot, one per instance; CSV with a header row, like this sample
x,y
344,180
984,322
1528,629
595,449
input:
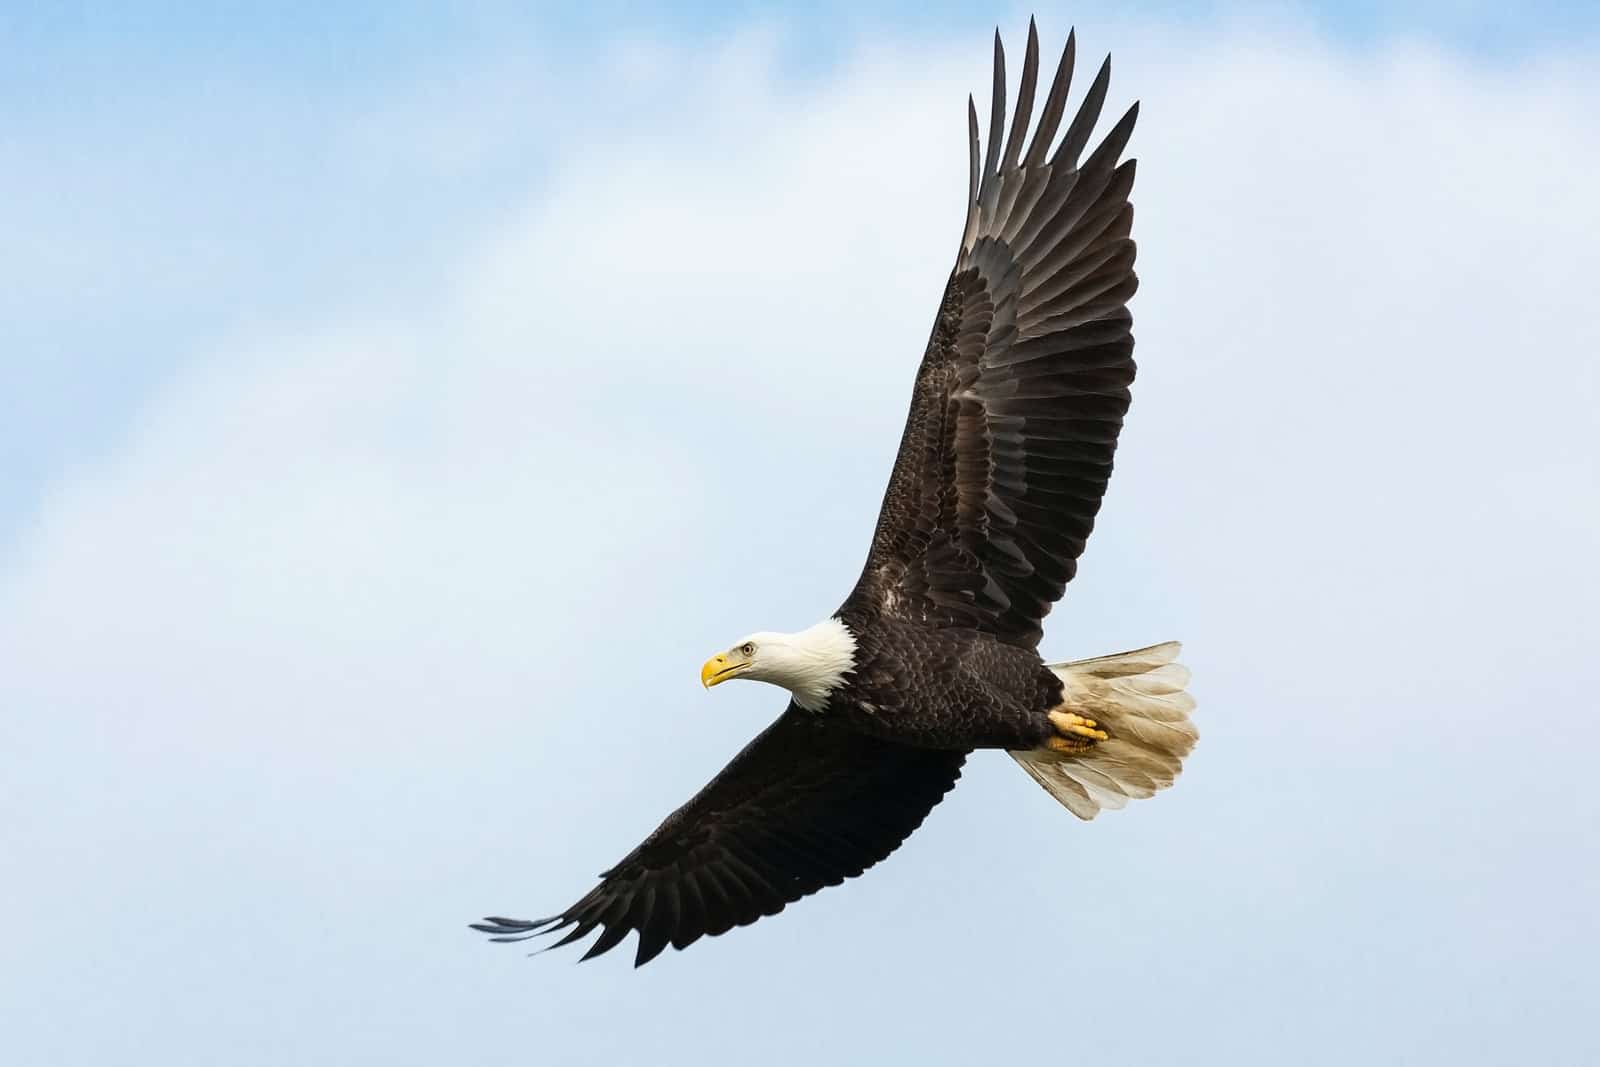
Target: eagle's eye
x,y
747,649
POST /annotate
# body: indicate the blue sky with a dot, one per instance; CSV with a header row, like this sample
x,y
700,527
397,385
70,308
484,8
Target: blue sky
x,y
360,535
194,144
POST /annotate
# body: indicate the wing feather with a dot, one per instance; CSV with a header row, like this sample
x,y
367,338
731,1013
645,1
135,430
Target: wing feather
x,y
806,805
1055,106
1021,393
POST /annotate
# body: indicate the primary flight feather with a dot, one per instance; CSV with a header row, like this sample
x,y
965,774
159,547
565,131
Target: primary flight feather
x,y
1004,460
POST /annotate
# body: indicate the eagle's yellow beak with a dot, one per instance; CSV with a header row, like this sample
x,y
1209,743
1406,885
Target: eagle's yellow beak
x,y
720,668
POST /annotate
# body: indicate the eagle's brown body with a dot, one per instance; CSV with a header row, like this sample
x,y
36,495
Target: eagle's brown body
x,y
945,688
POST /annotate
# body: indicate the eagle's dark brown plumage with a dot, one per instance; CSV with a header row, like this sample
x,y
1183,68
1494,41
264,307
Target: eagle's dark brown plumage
x,y
1016,408
1006,454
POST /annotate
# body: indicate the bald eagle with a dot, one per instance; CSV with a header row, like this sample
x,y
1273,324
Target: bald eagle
x,y
1006,454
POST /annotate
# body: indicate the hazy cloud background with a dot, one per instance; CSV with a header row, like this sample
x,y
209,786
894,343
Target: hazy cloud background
x,y
399,408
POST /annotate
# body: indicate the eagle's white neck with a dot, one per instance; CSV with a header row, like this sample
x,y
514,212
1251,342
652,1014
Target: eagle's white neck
x,y
810,664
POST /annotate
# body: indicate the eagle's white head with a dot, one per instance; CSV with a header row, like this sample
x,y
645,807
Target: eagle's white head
x,y
810,664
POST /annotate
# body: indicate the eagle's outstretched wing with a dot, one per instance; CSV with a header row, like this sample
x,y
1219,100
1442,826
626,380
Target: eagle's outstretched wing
x,y
1020,396
807,804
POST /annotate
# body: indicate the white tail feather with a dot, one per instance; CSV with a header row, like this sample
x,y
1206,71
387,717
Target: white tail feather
x,y
1138,699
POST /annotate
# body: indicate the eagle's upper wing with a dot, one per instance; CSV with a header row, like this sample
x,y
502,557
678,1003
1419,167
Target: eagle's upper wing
x,y
807,804
1020,396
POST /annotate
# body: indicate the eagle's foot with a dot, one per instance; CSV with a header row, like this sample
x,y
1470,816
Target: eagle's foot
x,y
1075,733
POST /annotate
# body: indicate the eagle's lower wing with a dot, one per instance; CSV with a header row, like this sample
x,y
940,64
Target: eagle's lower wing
x,y
1019,399
805,805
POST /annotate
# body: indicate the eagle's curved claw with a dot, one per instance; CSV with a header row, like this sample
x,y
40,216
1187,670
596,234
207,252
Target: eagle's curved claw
x,y
1079,733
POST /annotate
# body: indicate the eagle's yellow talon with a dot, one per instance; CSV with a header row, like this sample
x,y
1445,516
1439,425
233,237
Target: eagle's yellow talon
x,y
1077,727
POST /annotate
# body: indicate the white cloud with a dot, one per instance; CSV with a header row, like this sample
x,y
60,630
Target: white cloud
x,y
367,623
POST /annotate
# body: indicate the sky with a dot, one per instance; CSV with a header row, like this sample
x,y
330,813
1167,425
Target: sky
x,y
402,401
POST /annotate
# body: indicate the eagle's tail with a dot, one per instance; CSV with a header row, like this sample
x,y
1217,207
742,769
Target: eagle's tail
x,y
1136,704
